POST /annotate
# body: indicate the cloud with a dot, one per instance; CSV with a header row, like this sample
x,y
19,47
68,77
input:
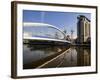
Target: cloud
x,y
27,34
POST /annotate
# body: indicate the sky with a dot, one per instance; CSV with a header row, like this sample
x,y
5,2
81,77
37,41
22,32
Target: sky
x,y
63,20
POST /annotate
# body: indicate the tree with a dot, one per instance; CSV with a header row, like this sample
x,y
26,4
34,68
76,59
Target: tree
x,y
68,38
65,31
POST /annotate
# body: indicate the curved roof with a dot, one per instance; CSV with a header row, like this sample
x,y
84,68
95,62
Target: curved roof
x,y
32,24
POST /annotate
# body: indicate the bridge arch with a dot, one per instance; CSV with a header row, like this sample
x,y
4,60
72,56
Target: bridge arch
x,y
43,30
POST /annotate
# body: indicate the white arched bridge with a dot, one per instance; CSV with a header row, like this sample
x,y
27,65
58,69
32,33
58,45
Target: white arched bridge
x,y
43,32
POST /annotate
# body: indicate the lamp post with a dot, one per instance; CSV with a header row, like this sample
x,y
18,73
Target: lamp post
x,y
72,36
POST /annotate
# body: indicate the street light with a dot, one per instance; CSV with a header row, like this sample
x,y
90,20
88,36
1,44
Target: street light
x,y
72,36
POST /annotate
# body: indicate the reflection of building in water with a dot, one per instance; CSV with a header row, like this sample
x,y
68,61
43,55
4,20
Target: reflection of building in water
x,y
83,57
73,57
86,57
83,29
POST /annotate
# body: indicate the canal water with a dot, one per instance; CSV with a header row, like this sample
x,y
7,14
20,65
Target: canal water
x,y
48,56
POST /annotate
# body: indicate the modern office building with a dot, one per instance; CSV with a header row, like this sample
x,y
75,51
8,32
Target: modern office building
x,y
83,29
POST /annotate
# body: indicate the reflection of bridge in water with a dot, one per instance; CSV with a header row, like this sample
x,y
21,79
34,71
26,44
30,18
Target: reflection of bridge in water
x,y
41,56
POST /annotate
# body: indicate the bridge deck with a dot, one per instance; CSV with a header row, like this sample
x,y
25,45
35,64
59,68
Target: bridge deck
x,y
46,39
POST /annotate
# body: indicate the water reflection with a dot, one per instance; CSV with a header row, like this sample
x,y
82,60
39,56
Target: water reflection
x,y
83,56
58,56
74,56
